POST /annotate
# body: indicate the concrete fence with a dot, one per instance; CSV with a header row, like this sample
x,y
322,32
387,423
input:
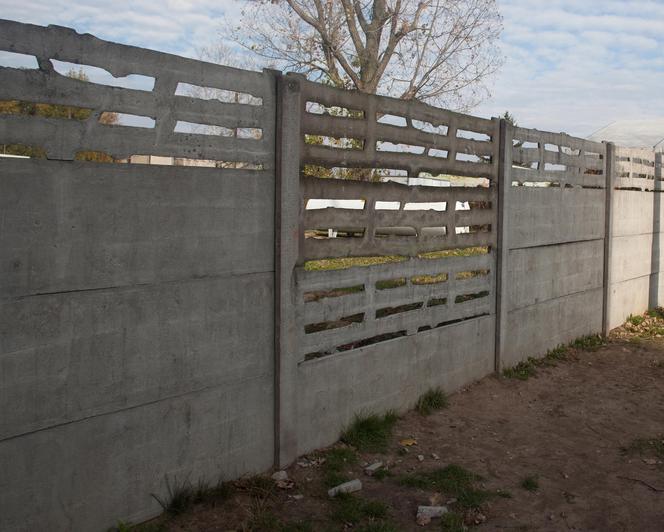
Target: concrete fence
x,y
280,264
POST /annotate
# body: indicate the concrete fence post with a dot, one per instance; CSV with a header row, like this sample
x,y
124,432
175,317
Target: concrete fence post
x,y
287,229
610,173
504,184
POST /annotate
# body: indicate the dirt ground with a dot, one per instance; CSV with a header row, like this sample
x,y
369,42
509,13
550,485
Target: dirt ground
x,y
573,427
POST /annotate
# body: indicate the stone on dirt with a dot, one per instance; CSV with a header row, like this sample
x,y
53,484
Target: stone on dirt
x,y
426,513
346,487
371,469
280,475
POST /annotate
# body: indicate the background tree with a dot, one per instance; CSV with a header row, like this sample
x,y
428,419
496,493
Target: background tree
x,y
436,51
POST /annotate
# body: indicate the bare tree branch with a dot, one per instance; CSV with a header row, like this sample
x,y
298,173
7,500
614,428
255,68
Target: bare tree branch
x,y
439,51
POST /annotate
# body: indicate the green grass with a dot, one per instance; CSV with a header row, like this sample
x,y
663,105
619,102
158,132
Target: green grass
x,y
452,480
452,522
523,370
180,497
635,320
336,460
530,483
266,521
382,474
379,526
434,399
647,447
657,312
589,343
370,433
349,508
528,368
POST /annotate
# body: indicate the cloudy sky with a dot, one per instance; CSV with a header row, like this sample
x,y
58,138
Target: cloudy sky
x,y
571,65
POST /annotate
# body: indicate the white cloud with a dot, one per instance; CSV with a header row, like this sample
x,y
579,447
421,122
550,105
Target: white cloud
x,y
571,65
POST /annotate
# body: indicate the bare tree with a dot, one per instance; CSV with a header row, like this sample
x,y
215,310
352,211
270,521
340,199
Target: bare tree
x,y
437,51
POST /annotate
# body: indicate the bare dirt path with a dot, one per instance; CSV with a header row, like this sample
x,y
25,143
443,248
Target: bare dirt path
x,y
588,432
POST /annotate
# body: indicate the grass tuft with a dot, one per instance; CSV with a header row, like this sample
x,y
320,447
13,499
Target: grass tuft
x,y
452,522
180,496
589,343
349,508
370,433
657,312
452,480
635,320
336,460
379,526
528,368
646,446
530,483
434,399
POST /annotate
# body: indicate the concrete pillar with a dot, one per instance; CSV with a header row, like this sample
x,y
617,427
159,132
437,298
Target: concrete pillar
x,y
504,185
287,237
610,174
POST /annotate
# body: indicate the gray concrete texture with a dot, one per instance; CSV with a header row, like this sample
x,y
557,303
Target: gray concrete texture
x,y
151,317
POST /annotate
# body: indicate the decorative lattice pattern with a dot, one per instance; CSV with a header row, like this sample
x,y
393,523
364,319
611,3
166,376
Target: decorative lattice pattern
x,y
245,102
636,169
541,158
436,234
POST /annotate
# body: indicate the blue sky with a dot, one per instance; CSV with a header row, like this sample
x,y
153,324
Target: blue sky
x,y
571,65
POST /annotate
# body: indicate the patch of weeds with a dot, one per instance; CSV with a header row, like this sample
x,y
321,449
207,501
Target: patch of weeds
x,y
528,368
180,497
522,371
378,526
589,343
258,487
222,491
453,480
336,460
265,521
635,320
646,446
452,522
657,312
434,399
530,483
300,526
370,433
375,509
349,508
382,474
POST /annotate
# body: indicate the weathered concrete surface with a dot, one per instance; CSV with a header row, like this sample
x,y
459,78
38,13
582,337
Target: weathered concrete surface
x,y
637,257
542,216
533,330
81,226
88,474
72,355
387,375
543,273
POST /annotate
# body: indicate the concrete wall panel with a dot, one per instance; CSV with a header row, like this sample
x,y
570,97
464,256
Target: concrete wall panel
x,y
391,374
87,475
79,226
542,216
543,273
79,354
534,330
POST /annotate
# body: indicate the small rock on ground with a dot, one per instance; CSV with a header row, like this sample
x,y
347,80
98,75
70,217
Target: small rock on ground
x,y
371,469
280,475
426,513
346,487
